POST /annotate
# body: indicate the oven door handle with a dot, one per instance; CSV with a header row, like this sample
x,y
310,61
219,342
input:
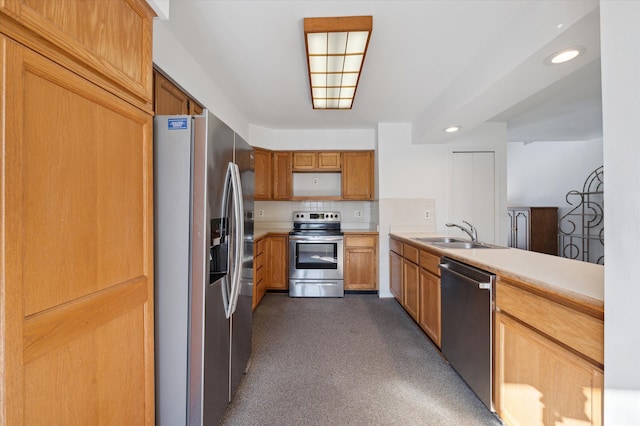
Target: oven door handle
x,y
316,238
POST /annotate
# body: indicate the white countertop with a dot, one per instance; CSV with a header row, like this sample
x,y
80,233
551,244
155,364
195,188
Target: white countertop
x,y
571,278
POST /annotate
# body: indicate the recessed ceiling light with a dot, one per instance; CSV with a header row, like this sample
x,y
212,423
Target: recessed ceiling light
x,y
452,129
564,55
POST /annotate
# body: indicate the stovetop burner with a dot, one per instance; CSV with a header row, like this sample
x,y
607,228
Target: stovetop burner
x,y
316,223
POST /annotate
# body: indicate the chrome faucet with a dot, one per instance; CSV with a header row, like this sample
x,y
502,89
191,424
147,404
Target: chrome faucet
x,y
471,230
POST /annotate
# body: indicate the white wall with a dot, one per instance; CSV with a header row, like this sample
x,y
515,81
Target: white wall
x,y
173,59
418,177
541,173
292,139
620,38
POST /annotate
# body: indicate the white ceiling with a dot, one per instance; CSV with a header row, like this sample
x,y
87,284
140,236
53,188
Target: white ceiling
x,y
431,63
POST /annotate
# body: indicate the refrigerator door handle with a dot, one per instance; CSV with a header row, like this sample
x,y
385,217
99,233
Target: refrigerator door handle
x,y
231,284
226,283
239,236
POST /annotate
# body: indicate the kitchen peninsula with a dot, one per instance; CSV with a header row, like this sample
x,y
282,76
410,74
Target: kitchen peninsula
x,y
548,343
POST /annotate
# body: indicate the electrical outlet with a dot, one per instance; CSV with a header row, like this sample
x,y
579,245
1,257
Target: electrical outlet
x,y
427,214
260,213
358,213
315,181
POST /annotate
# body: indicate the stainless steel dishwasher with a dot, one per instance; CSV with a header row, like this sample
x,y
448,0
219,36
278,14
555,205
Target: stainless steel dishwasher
x,y
467,324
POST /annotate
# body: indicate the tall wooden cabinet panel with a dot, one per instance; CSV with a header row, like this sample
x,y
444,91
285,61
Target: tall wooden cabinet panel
x,y
534,228
282,179
106,41
357,175
77,280
360,262
263,186
77,272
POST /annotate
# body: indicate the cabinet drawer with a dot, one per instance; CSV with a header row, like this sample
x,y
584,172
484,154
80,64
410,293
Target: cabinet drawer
x,y
360,240
411,253
395,246
259,261
430,262
577,330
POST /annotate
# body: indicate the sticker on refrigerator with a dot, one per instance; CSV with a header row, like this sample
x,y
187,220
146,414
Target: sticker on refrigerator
x,y
177,123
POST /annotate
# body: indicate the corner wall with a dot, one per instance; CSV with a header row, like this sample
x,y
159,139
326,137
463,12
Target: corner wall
x,y
413,178
173,59
620,38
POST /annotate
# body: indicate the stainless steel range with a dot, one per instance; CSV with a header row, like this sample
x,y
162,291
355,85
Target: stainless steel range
x,y
316,255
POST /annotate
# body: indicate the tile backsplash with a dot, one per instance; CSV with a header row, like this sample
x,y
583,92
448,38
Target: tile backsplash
x,y
355,214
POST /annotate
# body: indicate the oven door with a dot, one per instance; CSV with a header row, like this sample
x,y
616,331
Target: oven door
x,y
315,257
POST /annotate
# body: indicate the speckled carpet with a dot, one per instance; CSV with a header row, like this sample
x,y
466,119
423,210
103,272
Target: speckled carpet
x,y
359,360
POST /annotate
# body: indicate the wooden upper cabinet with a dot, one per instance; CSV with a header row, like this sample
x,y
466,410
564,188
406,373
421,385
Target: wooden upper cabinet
x,y
105,41
169,99
282,178
357,175
329,161
263,186
316,161
306,160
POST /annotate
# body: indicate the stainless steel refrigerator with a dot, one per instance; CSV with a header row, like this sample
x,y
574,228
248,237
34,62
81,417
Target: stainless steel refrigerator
x,y
203,199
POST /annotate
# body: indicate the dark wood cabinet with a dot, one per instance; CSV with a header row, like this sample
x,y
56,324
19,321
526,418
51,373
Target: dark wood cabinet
x,y
282,178
169,99
533,228
263,186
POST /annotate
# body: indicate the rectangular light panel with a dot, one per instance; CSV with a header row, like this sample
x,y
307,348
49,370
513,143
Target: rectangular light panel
x,y
336,48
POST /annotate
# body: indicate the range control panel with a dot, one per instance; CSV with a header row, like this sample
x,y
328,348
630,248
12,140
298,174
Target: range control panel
x,y
316,216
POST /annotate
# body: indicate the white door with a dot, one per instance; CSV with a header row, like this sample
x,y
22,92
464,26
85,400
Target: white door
x,y
474,192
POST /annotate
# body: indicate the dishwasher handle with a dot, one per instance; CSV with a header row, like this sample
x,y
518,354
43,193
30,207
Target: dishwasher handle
x,y
469,274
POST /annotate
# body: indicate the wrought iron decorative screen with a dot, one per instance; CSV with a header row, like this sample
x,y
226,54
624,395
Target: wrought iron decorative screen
x,y
581,230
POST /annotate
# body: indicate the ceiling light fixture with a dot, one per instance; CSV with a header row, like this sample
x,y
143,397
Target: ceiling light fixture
x,y
452,129
564,55
336,48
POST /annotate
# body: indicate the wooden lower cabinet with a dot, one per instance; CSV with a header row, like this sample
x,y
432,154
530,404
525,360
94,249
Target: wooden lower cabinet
x,y
361,262
429,314
277,260
259,271
411,280
539,382
395,275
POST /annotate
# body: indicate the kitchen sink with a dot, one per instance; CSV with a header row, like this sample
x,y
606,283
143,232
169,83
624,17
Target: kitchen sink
x,y
439,240
465,245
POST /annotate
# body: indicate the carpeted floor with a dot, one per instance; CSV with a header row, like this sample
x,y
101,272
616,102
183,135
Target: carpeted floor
x,y
359,360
